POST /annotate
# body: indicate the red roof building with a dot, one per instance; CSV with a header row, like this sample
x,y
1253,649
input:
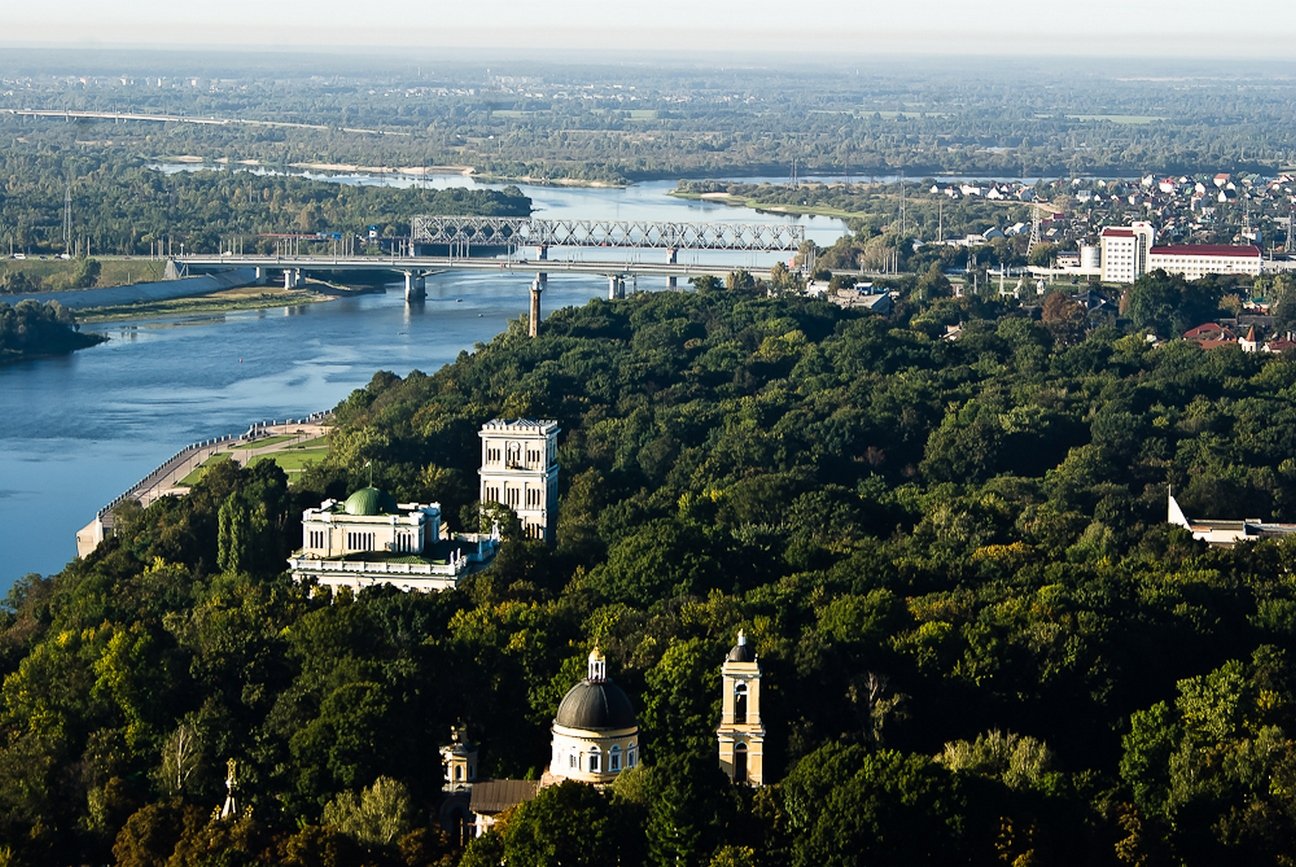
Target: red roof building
x,y
1197,260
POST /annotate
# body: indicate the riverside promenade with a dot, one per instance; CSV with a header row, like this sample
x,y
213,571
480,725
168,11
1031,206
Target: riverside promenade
x,y
166,479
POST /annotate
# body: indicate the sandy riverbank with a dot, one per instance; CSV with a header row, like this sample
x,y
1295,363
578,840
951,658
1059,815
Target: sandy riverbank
x,y
351,168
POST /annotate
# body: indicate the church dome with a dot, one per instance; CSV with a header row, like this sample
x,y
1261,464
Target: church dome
x,y
596,705
370,501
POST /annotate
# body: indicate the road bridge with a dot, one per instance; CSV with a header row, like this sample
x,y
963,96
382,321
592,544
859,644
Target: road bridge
x,y
460,234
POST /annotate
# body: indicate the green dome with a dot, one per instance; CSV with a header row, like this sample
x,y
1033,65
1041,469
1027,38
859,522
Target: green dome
x,y
369,501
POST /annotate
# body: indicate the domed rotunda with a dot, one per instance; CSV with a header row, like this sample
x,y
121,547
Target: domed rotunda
x,y
595,732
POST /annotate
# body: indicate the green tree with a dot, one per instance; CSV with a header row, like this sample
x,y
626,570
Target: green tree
x,y
380,815
569,824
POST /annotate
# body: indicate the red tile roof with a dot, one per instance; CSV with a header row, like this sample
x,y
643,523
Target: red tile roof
x,y
1209,331
1114,232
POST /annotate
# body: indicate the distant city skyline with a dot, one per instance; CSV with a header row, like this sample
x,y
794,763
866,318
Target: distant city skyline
x,y
1186,29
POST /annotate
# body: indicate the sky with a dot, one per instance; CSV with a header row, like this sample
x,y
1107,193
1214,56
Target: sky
x,y
1188,28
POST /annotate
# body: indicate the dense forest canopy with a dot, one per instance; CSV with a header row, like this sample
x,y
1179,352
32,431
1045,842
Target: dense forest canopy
x,y
982,642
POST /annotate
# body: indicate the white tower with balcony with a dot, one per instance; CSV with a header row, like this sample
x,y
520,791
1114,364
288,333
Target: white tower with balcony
x,y
519,469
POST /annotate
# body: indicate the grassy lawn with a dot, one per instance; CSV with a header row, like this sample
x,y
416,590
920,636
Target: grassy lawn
x,y
56,274
201,470
293,461
317,443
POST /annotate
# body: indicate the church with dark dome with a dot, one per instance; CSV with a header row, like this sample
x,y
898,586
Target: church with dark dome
x,y
596,730
595,738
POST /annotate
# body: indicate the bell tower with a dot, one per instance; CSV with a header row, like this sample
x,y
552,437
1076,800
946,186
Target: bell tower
x,y
459,759
741,733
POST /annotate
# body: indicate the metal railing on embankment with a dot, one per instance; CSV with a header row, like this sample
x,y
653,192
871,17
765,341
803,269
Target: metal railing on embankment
x,y
184,455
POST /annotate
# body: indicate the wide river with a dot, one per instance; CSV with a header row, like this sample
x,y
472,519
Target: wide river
x,y
77,431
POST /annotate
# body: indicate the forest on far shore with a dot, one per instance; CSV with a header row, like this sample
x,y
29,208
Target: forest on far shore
x,y
982,642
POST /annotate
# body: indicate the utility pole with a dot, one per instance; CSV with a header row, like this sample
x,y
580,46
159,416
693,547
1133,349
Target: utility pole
x,y
67,219
902,203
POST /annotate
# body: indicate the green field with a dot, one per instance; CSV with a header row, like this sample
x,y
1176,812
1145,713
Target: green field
x,y
201,470
292,461
317,443
54,274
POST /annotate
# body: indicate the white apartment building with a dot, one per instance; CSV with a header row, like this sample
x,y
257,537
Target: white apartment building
x,y
1125,252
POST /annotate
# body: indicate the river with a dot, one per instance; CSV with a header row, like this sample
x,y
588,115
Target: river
x,y
77,431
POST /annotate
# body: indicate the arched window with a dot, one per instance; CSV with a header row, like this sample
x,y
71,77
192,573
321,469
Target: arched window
x,y
595,765
740,702
572,762
740,763
632,756
459,773
614,759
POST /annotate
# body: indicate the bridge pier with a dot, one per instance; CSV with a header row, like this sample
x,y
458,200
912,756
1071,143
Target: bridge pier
x,y
543,255
534,325
292,278
672,258
616,287
415,285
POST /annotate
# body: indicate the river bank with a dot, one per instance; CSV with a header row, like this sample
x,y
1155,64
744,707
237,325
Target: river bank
x,y
760,207
224,301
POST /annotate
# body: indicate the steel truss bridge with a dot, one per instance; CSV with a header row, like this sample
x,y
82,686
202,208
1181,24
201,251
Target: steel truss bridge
x,y
462,232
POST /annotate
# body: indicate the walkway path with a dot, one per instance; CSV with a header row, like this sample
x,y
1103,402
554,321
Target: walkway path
x,y
165,480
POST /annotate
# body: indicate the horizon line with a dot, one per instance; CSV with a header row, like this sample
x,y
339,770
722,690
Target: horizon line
x,y
772,56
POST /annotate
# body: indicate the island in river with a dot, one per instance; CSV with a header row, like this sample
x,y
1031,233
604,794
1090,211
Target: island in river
x,y
29,329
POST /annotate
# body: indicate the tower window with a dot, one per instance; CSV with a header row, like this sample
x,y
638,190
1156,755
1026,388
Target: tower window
x,y
740,763
740,703
614,759
632,756
594,763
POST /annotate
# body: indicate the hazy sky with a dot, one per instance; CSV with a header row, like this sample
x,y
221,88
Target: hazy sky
x,y
1188,28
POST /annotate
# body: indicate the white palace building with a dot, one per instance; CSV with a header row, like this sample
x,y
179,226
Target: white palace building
x,y
371,539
